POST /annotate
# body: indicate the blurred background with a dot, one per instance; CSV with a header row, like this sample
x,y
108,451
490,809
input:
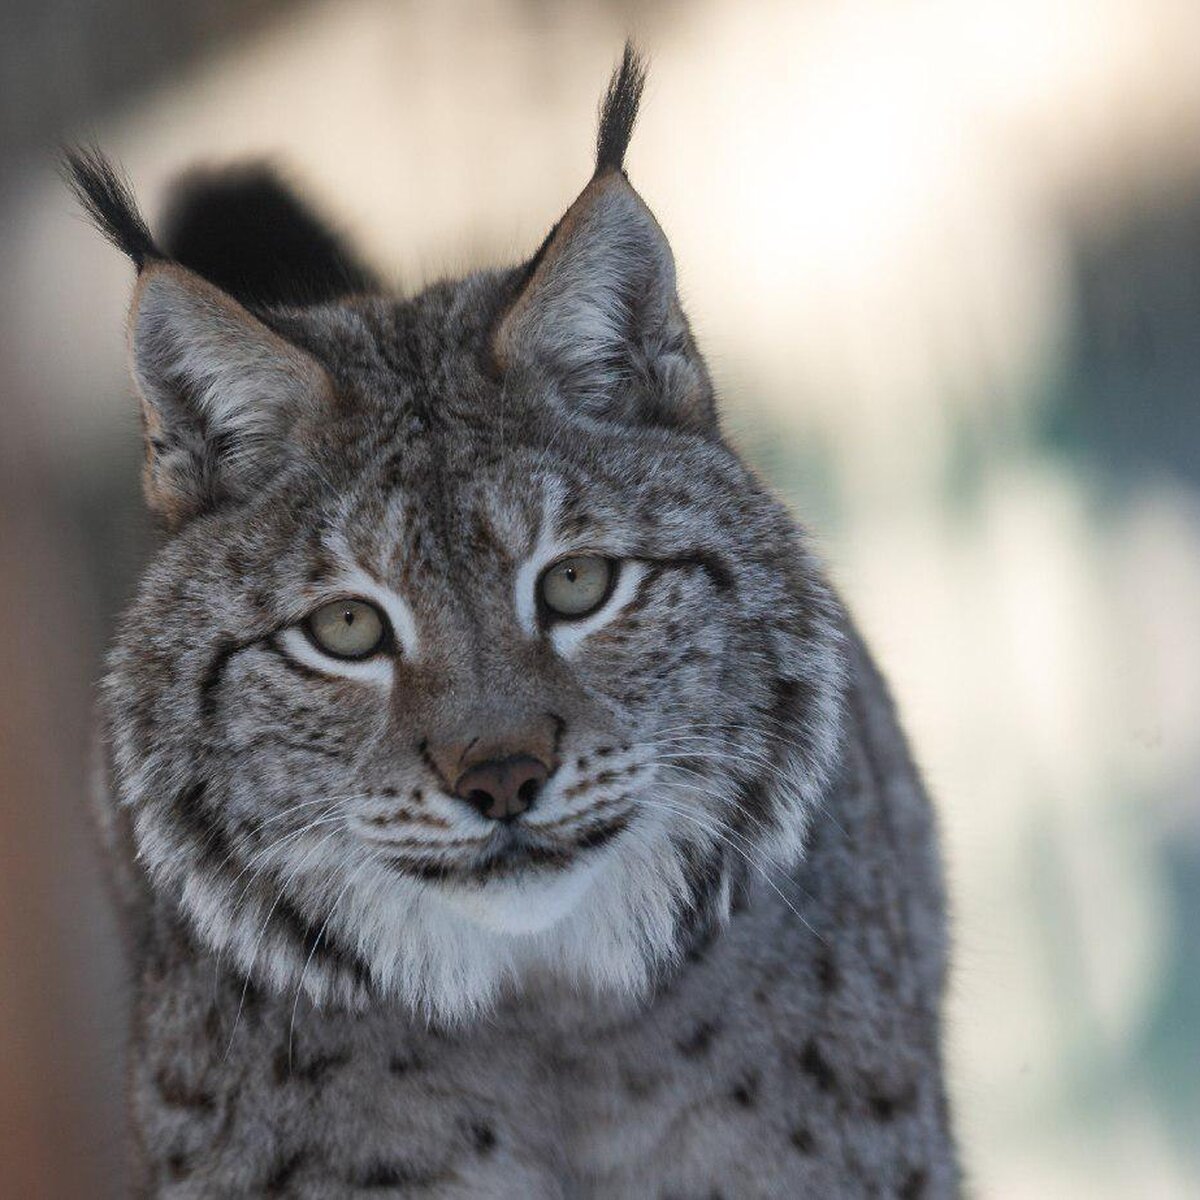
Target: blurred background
x,y
944,257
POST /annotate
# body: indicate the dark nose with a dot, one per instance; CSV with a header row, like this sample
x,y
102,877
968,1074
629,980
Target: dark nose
x,y
502,788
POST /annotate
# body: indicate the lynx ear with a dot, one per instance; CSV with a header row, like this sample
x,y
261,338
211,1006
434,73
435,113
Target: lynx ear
x,y
219,391
598,310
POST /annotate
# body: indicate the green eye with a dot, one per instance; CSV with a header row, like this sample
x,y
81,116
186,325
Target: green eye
x,y
347,628
577,586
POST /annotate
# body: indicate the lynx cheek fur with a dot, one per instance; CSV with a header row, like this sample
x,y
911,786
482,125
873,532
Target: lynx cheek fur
x,y
502,802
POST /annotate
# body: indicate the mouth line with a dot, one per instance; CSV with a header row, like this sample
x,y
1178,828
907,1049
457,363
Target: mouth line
x,y
512,852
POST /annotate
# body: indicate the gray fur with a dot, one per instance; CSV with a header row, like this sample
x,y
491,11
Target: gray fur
x,y
714,965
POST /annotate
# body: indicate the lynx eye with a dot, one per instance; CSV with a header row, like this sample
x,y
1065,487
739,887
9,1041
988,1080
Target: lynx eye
x,y
347,628
577,586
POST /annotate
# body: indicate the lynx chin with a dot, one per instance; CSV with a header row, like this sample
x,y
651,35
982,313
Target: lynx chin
x,y
499,797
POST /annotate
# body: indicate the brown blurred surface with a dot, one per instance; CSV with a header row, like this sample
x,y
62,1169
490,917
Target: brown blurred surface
x,y
60,1114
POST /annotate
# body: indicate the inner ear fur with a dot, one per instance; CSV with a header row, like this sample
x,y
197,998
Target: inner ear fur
x,y
219,391
599,311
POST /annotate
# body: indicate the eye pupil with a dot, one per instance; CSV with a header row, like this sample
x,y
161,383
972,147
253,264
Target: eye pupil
x,y
571,574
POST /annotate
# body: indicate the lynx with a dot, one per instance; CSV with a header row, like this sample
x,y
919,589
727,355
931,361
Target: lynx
x,y
501,800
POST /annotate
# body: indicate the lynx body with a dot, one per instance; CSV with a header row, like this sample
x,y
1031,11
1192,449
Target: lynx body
x,y
500,798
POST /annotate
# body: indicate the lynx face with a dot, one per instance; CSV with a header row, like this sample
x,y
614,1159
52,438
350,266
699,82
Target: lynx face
x,y
473,648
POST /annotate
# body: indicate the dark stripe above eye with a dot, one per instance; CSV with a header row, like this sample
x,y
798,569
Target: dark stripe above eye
x,y
717,571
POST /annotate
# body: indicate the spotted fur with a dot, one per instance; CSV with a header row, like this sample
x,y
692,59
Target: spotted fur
x,y
708,961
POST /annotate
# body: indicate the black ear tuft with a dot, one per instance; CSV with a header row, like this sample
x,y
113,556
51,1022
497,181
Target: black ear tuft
x,y
619,109
107,198
244,230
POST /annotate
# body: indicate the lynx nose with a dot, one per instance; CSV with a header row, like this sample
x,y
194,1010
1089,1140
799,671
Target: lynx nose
x,y
502,788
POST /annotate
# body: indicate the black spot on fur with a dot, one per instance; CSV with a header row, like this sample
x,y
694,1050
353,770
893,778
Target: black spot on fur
x,y
745,1094
106,197
814,1064
826,971
175,1093
178,1166
282,1173
618,111
913,1186
803,1140
311,1071
483,1137
700,1040
884,1107
402,1064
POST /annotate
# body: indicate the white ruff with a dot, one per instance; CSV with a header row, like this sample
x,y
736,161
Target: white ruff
x,y
447,952
521,906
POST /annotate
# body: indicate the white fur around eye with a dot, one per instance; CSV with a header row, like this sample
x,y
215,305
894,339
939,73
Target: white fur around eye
x,y
567,636
544,552
376,670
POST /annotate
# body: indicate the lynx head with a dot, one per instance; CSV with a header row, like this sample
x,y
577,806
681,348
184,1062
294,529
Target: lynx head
x,y
471,649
